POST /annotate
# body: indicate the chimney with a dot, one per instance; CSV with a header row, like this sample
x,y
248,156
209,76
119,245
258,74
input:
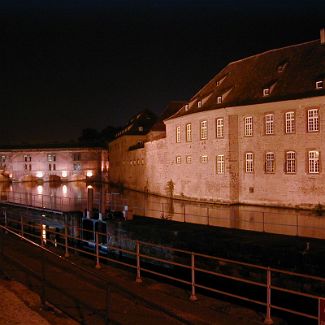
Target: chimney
x,y
322,36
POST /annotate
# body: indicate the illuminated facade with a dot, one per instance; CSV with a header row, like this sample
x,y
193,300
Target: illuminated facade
x,y
254,135
54,164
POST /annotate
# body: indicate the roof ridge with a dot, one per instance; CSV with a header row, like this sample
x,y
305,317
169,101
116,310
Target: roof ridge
x,y
271,51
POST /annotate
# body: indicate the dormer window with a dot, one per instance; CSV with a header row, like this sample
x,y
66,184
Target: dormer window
x,y
266,92
219,99
319,84
140,128
186,107
199,104
282,66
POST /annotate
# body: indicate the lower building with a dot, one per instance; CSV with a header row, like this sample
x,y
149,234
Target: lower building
x,y
53,164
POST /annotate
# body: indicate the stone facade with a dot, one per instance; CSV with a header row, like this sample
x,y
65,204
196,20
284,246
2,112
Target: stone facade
x,y
54,164
254,135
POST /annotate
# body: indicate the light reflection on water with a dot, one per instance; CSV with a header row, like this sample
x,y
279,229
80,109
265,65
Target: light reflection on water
x,y
73,196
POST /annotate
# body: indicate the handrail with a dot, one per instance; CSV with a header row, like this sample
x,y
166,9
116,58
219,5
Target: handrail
x,y
144,256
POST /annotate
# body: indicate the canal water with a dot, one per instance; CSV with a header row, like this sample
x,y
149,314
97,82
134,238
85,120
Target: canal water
x,y
73,196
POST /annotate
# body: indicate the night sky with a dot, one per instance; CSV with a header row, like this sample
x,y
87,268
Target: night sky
x,y
69,65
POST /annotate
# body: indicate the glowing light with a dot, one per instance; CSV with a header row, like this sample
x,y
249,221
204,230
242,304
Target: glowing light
x,y
10,175
64,189
40,189
44,233
64,173
89,173
89,186
39,174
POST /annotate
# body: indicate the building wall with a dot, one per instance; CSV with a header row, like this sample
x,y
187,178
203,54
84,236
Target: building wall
x,y
69,164
200,181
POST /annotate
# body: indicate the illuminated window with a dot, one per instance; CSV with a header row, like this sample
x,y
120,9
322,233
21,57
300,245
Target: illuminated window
x,y
290,162
320,84
266,92
249,162
220,164
219,99
269,123
188,132
199,104
248,128
178,134
269,162
219,127
313,120
204,159
178,160
51,157
186,107
188,159
313,159
204,130
27,158
140,128
290,122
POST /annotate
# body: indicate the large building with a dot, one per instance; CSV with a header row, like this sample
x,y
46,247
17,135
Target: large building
x,y
254,134
53,164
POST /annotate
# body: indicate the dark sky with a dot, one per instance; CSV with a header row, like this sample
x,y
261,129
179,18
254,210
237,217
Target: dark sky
x,y
68,65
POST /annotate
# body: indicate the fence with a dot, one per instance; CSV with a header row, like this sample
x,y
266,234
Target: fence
x,y
291,222
270,288
52,277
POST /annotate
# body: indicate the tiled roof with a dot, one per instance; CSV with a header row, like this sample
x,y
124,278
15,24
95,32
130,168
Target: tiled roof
x,y
139,124
286,73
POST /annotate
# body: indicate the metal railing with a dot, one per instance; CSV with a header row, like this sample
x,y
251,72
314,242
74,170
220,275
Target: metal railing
x,y
244,281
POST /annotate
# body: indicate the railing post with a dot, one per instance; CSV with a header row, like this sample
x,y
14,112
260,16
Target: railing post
x,y
138,278
66,241
268,320
193,295
6,221
41,234
97,252
22,226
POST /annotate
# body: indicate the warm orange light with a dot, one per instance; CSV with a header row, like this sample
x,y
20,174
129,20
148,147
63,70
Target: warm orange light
x,y
39,174
40,189
89,187
64,189
89,173
64,173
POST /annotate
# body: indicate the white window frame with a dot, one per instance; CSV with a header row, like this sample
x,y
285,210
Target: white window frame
x,y
269,124
204,159
313,162
188,159
319,84
219,99
220,127
199,104
178,160
220,164
178,134
291,162
204,130
269,162
249,162
313,120
266,92
188,132
248,126
290,122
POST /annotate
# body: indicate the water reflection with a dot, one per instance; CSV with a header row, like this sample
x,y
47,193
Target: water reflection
x,y
73,196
